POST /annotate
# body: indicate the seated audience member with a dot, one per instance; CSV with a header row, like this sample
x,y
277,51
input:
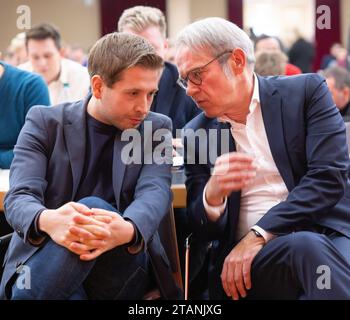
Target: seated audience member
x,y
270,44
85,217
270,63
17,50
302,54
328,60
276,201
78,54
338,81
67,80
19,91
171,99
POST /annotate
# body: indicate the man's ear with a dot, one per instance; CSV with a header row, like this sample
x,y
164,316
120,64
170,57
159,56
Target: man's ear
x,y
238,60
97,86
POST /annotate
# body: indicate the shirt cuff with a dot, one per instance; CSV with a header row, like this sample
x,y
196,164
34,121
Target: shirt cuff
x,y
137,243
36,237
213,212
266,235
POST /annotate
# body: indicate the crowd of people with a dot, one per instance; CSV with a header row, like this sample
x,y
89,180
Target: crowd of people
x,y
263,215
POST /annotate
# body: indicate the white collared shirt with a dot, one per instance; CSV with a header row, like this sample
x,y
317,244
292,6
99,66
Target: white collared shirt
x,y
268,188
72,85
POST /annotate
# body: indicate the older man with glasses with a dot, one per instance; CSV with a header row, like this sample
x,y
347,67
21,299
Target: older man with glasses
x,y
276,207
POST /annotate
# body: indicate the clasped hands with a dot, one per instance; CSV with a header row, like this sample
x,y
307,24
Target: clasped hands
x,y
84,231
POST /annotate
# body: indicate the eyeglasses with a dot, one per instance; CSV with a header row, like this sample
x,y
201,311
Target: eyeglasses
x,y
195,75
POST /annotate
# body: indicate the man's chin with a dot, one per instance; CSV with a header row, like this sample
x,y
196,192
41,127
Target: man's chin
x,y
209,114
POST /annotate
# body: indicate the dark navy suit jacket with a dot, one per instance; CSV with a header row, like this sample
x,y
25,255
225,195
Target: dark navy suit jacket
x,y
46,172
172,101
306,135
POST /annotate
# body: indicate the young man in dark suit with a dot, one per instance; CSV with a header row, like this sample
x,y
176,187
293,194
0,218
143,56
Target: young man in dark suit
x,y
84,205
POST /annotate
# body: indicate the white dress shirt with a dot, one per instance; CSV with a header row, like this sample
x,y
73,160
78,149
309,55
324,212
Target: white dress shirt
x,y
268,188
72,85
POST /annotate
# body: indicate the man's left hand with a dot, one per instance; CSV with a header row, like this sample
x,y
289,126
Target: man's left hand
x,y
235,275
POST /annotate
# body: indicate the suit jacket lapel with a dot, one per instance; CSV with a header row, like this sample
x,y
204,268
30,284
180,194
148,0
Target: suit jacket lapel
x,y
120,161
75,136
234,199
272,112
118,169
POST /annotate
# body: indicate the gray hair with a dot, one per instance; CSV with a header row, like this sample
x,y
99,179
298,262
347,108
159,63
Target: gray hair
x,y
216,35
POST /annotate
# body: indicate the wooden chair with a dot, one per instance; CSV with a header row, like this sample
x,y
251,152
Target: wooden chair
x,y
167,234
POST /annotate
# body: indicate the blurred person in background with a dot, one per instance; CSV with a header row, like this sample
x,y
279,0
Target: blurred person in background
x,y
267,43
302,54
17,52
19,91
67,80
270,63
338,81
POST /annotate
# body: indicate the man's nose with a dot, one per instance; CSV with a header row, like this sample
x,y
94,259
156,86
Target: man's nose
x,y
41,62
192,89
143,105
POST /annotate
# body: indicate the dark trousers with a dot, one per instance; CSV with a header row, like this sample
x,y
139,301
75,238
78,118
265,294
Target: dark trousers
x,y
301,265
57,273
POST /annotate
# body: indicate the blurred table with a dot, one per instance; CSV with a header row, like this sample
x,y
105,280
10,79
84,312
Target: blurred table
x,y
4,186
177,186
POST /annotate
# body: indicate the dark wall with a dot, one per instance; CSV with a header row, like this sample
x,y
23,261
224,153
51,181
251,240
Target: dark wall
x,y
111,10
326,37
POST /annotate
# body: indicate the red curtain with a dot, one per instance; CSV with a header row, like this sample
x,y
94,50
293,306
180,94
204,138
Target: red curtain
x,y
324,38
111,10
235,12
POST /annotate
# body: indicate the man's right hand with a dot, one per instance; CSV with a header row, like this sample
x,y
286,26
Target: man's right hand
x,y
232,172
56,224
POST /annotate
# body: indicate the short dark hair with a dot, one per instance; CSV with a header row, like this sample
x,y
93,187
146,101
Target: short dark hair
x,y
44,31
266,36
116,52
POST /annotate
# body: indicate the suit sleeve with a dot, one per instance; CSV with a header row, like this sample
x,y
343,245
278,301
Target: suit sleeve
x,y
25,198
327,164
153,196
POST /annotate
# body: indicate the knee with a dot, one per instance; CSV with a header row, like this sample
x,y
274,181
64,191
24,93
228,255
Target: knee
x,y
306,244
93,202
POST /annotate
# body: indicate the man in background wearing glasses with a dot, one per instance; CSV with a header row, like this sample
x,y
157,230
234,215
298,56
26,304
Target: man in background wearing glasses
x,y
276,207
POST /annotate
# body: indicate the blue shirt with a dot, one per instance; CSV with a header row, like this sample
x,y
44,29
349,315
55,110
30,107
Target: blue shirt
x,y
19,91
